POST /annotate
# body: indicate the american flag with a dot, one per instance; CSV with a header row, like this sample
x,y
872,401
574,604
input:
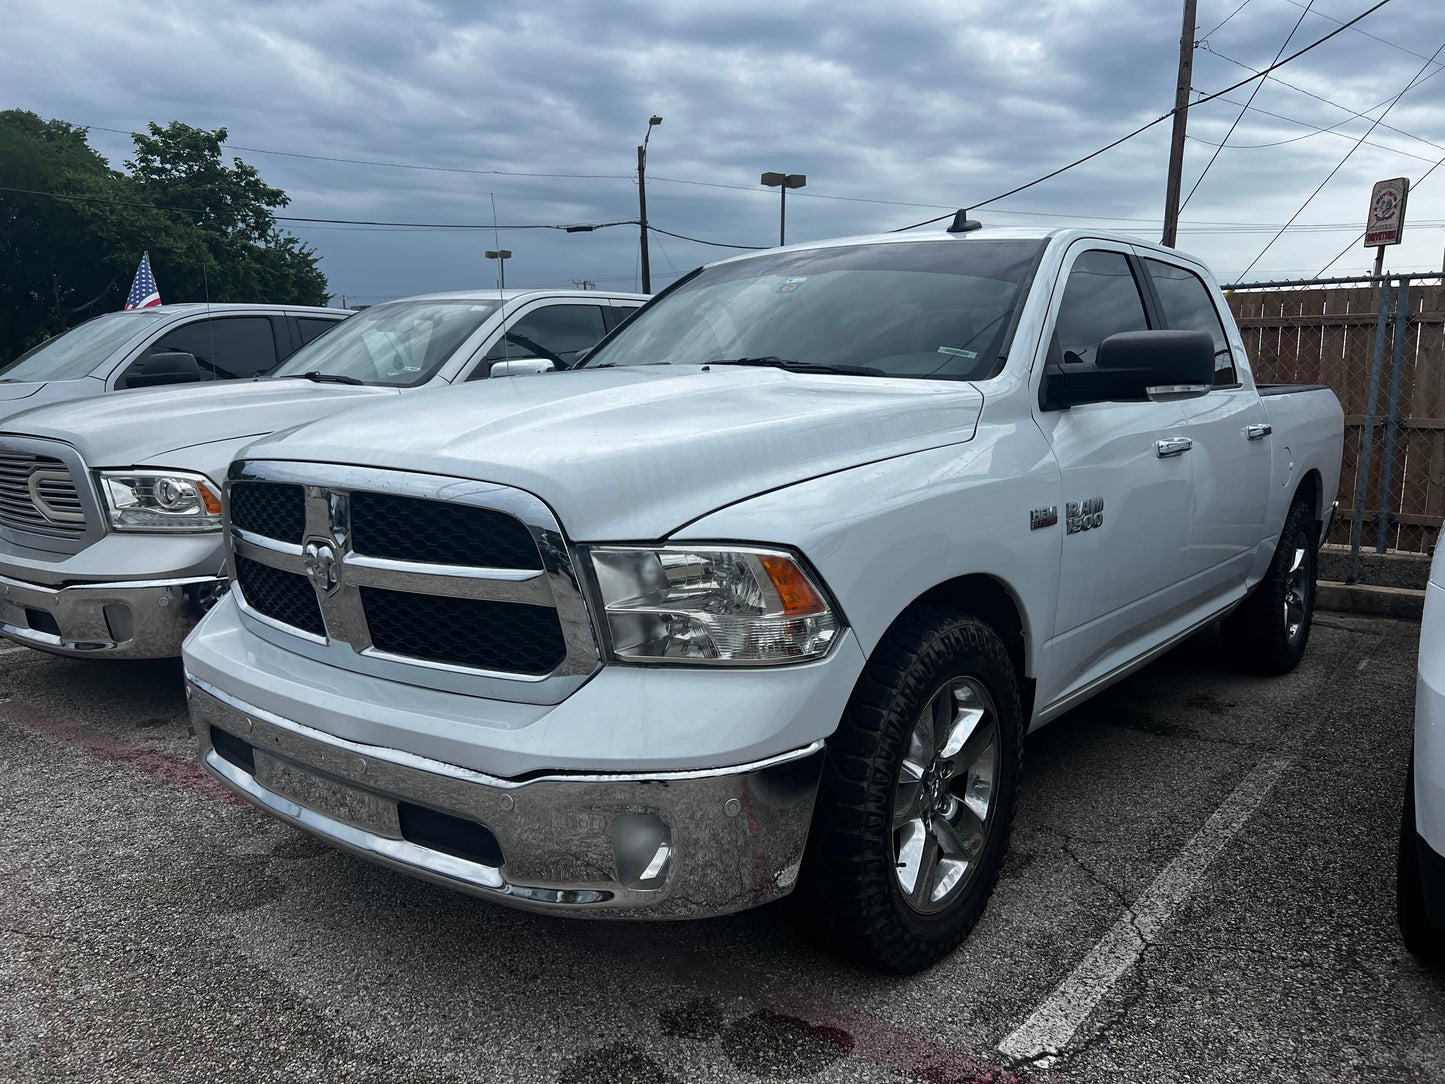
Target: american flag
x,y
143,292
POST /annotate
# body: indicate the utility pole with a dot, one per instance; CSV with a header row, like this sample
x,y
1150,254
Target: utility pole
x,y
1181,123
642,201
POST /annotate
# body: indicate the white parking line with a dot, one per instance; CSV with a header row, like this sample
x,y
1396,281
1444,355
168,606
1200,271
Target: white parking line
x,y
1051,1026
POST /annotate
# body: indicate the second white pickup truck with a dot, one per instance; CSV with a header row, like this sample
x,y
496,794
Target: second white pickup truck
x,y
767,593
110,508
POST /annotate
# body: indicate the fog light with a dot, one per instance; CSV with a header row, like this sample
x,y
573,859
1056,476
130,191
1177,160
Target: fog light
x,y
642,844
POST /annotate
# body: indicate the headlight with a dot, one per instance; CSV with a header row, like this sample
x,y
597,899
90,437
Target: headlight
x,y
161,500
738,605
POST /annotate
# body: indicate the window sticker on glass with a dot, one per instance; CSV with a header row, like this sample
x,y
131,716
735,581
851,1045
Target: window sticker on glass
x,y
957,352
791,285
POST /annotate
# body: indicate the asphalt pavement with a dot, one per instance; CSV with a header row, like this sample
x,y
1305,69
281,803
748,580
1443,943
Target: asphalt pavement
x,y
1200,888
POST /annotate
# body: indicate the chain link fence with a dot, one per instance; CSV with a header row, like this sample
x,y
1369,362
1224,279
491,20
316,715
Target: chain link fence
x,y
1379,343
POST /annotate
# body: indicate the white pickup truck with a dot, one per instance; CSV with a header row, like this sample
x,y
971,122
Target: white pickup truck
x,y
767,592
110,508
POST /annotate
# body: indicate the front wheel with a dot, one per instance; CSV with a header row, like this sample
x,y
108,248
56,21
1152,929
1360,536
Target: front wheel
x,y
1270,629
918,793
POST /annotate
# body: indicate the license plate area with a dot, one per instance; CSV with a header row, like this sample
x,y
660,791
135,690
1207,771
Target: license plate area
x,y
328,797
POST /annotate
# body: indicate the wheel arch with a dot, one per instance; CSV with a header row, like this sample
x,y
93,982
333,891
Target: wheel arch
x,y
992,600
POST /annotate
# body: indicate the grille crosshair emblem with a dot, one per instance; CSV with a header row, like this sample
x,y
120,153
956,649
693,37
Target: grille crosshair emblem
x,y
322,566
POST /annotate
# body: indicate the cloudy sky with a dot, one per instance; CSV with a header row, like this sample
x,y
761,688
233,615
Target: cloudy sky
x,y
895,111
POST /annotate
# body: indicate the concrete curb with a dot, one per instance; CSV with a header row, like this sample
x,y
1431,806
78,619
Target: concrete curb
x,y
1361,598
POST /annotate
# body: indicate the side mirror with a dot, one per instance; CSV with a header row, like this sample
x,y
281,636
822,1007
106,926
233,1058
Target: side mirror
x,y
174,367
1164,366
521,367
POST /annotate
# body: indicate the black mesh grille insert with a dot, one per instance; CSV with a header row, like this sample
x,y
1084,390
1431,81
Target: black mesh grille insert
x,y
435,532
281,596
506,636
272,509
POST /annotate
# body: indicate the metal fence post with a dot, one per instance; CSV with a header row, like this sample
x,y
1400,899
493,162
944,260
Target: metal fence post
x,y
1367,437
1392,424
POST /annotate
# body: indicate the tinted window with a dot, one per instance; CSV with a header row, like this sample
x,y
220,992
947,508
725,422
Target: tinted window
x,y
914,309
311,326
75,353
1188,306
226,348
557,332
1100,299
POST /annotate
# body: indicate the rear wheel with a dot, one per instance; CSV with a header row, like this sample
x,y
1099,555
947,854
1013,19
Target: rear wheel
x,y
1271,628
917,795
1423,938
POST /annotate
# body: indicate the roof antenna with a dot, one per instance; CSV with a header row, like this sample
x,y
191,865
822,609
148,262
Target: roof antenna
x,y
963,224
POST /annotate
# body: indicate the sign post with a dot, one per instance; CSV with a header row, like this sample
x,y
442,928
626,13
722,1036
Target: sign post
x,y
1386,224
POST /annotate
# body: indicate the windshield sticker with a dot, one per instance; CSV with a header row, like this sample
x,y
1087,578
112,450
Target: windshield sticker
x,y
956,352
791,286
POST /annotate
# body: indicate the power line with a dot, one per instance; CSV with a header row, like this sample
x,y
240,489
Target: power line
x,y
1160,119
1226,19
1253,91
1326,101
1315,130
1361,235
1367,34
700,241
1340,165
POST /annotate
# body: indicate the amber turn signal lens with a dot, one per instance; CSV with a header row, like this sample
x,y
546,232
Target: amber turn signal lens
x,y
212,502
799,598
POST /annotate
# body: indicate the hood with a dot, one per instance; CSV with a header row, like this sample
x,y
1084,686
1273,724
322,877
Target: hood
x,y
19,389
634,453
126,428
24,394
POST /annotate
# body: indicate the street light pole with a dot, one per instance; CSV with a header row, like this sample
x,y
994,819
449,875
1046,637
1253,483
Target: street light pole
x,y
782,182
642,201
500,254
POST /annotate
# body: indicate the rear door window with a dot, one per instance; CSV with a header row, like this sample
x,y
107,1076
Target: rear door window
x,y
1188,306
311,326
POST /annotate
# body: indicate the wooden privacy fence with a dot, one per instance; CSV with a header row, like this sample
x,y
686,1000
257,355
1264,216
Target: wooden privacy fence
x,y
1380,344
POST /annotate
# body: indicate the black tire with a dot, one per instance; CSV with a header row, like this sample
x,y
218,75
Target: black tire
x,y
1271,628
1423,938
852,882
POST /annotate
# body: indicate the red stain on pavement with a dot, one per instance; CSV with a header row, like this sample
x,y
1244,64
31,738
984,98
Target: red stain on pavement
x,y
181,773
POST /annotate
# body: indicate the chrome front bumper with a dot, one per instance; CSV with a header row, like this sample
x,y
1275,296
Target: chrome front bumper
x,y
657,845
130,620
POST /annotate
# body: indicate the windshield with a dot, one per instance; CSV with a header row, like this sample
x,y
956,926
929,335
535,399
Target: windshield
x,y
75,353
400,344
921,309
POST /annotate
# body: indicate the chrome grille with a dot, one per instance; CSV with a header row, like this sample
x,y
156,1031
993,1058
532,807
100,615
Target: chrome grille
x,y
475,588
37,493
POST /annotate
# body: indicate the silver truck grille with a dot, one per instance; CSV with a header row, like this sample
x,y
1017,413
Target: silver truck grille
x,y
374,566
37,493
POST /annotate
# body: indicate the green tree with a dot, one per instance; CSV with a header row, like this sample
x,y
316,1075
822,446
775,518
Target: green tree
x,y
72,229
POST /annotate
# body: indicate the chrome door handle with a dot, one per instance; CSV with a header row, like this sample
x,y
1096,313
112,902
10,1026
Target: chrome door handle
x,y
1258,432
1172,446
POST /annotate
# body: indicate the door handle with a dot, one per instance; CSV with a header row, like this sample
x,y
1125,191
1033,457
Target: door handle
x,y
1258,432
1172,446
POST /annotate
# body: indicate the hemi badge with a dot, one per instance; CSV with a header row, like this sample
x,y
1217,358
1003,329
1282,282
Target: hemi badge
x,y
1043,517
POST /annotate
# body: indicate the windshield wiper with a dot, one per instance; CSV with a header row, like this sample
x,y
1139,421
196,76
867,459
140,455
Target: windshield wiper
x,y
772,361
324,378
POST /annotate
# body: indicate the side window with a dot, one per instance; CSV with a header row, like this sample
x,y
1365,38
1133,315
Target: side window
x,y
1101,298
226,348
556,332
311,326
1188,306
